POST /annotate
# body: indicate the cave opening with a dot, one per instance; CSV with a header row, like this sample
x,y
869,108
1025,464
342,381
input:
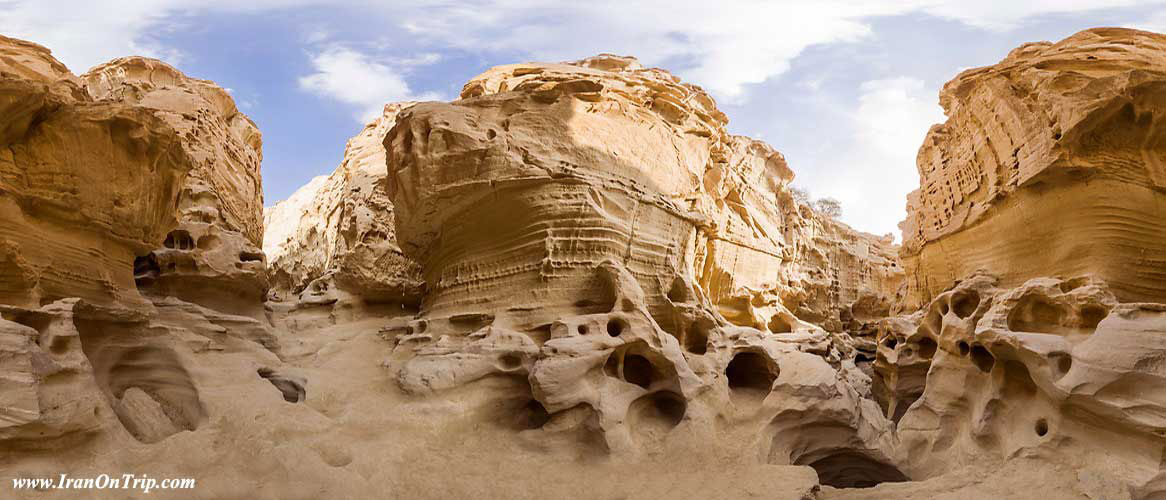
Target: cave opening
x,y
750,371
853,469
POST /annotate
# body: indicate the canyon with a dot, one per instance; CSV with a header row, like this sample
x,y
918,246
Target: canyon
x,y
572,281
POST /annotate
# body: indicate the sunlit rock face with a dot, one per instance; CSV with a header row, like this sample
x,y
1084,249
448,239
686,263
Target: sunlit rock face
x,y
334,241
85,185
1051,162
591,230
603,159
213,256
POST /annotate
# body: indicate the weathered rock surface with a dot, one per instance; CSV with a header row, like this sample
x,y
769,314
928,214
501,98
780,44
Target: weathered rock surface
x,y
84,185
213,256
591,232
335,238
603,159
1052,162
581,275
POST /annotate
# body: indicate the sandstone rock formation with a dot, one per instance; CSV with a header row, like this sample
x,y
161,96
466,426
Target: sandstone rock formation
x,y
335,238
213,256
1061,143
84,185
573,272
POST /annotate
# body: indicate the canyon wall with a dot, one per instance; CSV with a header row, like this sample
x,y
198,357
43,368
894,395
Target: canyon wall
x,y
574,269
335,238
85,185
213,257
1051,163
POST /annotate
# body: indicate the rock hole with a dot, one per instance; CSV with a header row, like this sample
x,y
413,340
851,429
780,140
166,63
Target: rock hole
x,y
59,345
532,415
251,256
1034,313
964,303
615,327
292,390
778,324
583,329
637,370
927,347
852,469
678,293
696,339
934,321
1062,362
964,348
491,134
208,242
146,270
1041,427
943,308
1073,284
1091,315
983,359
179,239
891,343
510,361
750,371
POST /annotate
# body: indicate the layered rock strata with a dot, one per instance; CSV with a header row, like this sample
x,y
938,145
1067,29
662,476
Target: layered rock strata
x,y
85,185
1052,162
335,238
591,230
213,257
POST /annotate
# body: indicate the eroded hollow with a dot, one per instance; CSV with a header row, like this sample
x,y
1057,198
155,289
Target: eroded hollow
x,y
853,469
292,390
927,347
696,338
1034,313
983,359
637,370
1042,427
751,371
778,324
179,239
615,327
965,302
1091,315
146,270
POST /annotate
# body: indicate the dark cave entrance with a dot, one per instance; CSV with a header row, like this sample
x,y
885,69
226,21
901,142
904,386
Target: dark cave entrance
x,y
854,469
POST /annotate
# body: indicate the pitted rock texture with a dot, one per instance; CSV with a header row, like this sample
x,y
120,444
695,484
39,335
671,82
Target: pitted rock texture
x,y
84,185
540,172
589,232
1052,162
213,257
1055,370
335,238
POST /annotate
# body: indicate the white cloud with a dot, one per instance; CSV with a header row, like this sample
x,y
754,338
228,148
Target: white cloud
x,y
872,179
356,79
724,46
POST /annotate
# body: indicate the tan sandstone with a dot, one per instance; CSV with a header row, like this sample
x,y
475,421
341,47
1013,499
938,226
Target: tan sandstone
x,y
1061,143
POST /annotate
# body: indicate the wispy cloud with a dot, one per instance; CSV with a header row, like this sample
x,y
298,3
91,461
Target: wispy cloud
x,y
356,79
873,175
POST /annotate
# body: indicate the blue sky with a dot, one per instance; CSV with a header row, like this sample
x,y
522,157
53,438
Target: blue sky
x,y
845,89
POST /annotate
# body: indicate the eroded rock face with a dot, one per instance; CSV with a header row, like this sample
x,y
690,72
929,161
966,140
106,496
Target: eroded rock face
x,y
603,159
590,231
1051,163
213,257
1054,369
335,238
84,185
